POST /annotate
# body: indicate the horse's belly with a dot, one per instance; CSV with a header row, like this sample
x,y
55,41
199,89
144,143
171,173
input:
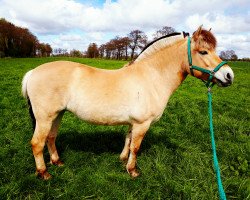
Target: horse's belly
x,y
106,115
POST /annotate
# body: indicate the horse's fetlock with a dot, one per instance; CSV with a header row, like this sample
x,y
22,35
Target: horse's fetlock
x,y
58,162
43,174
133,172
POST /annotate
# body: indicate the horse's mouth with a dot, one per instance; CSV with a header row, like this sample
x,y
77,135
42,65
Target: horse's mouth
x,y
223,84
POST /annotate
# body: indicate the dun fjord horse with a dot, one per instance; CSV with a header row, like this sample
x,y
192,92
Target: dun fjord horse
x,y
134,95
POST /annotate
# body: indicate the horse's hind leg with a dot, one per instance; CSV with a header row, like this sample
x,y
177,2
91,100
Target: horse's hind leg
x,y
54,158
125,151
138,133
39,138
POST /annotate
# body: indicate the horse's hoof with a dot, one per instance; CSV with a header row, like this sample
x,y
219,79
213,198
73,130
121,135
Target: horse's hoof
x,y
133,173
43,175
58,163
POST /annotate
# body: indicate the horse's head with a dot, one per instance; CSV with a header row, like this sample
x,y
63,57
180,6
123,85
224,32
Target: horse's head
x,y
202,55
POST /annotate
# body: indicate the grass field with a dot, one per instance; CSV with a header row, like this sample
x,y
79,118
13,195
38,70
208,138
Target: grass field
x,y
175,159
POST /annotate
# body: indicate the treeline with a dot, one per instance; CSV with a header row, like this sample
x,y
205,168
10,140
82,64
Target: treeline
x,y
20,42
228,55
124,47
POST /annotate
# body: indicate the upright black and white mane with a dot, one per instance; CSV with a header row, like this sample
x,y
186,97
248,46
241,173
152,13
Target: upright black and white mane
x,y
159,44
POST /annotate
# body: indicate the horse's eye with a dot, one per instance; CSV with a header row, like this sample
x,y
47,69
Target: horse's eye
x,y
203,52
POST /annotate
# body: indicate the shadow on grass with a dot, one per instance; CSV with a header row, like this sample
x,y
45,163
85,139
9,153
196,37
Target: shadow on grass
x,y
94,142
107,141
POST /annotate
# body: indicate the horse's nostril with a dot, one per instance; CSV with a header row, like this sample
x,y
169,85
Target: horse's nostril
x,y
229,76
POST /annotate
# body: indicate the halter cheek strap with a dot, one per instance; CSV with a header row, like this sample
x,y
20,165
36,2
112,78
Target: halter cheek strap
x,y
209,72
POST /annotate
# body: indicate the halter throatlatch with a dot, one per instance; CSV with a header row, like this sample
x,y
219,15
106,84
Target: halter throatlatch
x,y
209,72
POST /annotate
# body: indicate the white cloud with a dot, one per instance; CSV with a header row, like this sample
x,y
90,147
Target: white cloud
x,y
61,18
240,43
55,16
73,37
220,23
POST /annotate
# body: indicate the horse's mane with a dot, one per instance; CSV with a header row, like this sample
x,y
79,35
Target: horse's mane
x,y
205,36
159,44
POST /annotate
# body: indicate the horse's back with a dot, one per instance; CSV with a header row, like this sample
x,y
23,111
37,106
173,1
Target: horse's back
x,y
58,73
60,69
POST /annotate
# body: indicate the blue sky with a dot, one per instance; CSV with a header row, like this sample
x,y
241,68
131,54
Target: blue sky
x,y
95,3
73,24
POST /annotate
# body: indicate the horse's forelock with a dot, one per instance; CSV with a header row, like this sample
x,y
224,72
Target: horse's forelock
x,y
204,36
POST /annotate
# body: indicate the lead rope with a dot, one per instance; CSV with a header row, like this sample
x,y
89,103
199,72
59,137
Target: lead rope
x,y
215,160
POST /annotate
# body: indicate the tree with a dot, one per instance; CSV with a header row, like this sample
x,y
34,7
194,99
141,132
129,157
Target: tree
x,y
166,30
109,49
234,57
125,41
60,52
75,53
101,50
120,46
17,42
44,50
228,55
116,48
92,51
138,39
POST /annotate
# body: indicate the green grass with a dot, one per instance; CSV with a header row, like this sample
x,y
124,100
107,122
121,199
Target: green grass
x,y
175,159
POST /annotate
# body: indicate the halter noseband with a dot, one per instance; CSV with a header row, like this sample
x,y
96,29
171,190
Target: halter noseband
x,y
209,72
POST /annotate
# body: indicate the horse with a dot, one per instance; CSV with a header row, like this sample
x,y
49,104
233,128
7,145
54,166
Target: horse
x,y
134,95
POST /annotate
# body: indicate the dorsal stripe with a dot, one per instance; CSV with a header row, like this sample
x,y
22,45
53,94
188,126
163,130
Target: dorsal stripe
x,y
165,36
158,44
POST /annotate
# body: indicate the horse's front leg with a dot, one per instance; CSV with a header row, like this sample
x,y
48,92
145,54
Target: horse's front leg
x,y
137,134
125,151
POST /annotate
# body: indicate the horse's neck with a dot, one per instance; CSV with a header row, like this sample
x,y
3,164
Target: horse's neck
x,y
166,69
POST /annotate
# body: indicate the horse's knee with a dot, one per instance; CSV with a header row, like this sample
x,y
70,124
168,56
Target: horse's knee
x,y
37,145
34,143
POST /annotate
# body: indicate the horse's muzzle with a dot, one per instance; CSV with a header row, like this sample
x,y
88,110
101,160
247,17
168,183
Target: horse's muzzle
x,y
224,77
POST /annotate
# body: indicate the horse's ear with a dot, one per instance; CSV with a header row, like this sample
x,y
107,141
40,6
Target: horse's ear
x,y
198,32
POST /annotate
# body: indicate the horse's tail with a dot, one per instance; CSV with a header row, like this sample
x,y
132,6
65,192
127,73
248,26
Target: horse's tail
x,y
25,83
26,95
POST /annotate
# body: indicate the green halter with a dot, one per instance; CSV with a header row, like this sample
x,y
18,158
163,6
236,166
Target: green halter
x,y
210,73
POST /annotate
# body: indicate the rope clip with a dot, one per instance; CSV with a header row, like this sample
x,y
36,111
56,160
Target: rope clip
x,y
209,89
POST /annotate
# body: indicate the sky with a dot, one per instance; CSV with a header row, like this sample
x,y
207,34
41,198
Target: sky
x,y
74,24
